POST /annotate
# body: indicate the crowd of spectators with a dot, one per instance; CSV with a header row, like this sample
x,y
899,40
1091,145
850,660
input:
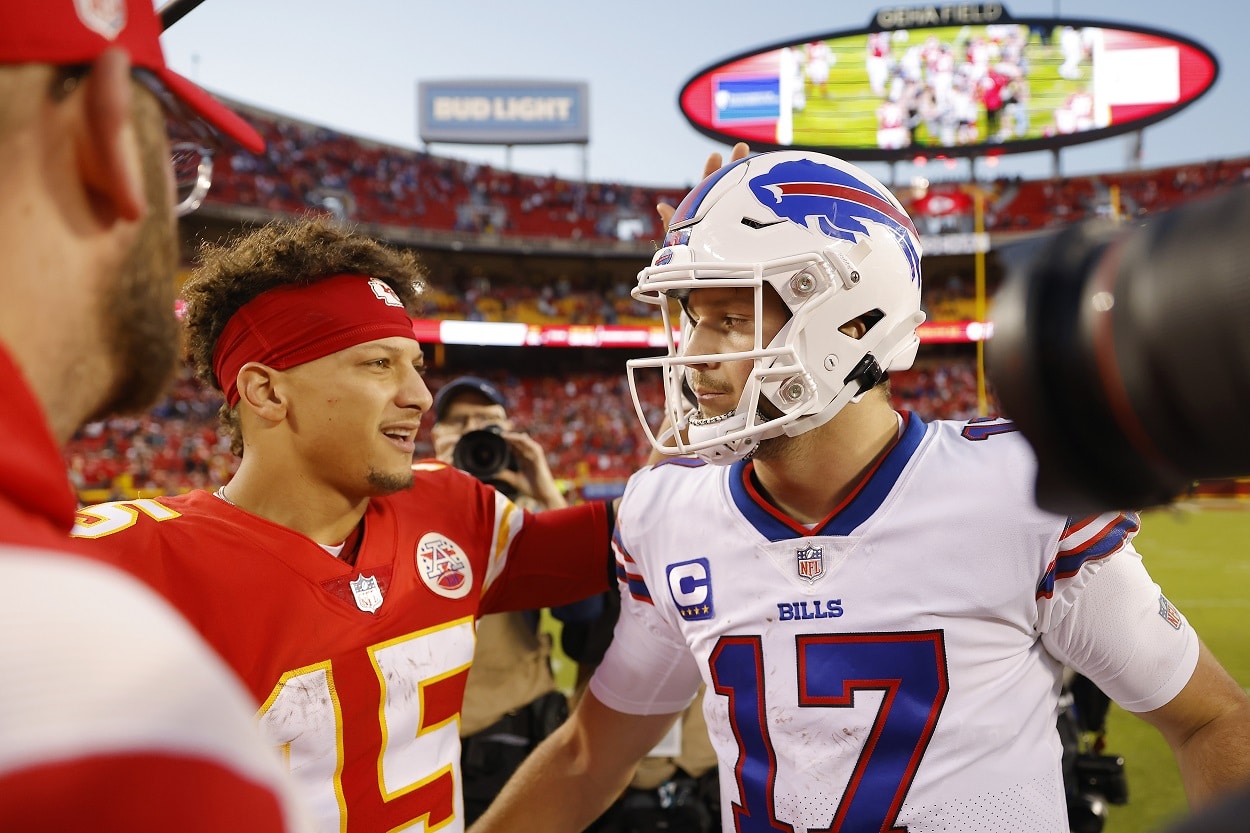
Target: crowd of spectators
x,y
584,420
505,297
948,297
306,167
1026,205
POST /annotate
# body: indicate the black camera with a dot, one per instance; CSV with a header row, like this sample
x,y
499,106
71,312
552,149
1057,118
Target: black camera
x,y
1092,780
1099,780
483,453
1122,354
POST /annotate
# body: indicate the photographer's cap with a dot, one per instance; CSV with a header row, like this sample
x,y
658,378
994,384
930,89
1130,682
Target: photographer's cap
x,y
466,384
69,32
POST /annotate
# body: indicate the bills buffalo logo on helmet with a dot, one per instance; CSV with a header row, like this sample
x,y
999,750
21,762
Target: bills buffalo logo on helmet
x,y
834,203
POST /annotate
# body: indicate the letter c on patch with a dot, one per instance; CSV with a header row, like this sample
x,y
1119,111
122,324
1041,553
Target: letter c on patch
x,y
690,584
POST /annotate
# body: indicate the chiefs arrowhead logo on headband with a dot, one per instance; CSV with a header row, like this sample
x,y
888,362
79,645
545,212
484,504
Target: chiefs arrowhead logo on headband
x,y
106,18
385,294
296,324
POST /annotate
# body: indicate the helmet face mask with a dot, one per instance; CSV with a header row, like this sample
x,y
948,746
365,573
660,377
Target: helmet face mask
x,y
835,246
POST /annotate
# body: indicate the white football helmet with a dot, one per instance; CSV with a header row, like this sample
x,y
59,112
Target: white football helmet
x,y
835,245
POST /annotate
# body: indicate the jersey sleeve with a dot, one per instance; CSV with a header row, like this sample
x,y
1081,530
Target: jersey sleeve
x,y
1125,635
1085,545
648,668
546,559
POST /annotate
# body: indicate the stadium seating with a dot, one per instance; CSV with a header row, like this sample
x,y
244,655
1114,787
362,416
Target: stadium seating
x,y
309,168
584,419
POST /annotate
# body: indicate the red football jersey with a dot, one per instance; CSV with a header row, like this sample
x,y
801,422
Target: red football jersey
x,y
360,670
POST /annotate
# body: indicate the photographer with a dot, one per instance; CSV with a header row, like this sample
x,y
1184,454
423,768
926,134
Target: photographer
x,y
510,700
515,464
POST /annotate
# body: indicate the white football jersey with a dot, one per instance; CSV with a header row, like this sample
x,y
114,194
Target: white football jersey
x,y
899,664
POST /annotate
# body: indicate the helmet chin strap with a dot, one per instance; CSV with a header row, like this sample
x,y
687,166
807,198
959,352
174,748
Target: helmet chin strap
x,y
733,450
864,377
868,373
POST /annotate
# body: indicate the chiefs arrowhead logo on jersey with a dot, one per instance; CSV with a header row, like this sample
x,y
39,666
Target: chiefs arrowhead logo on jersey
x,y
811,563
444,566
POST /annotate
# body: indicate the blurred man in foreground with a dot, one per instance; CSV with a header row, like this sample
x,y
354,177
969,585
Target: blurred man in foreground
x,y
114,714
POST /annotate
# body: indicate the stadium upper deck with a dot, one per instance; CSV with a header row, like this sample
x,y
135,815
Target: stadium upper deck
x,y
437,201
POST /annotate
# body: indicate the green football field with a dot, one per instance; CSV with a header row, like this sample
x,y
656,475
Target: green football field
x,y
1201,559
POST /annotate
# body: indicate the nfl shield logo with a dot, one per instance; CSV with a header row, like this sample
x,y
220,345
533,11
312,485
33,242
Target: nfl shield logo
x,y
811,563
367,593
1169,613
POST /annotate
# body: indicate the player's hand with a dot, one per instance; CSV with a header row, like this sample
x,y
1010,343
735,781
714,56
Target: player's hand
x,y
714,162
533,478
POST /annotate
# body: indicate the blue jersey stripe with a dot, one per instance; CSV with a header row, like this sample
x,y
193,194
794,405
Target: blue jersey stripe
x,y
633,581
1111,540
1108,541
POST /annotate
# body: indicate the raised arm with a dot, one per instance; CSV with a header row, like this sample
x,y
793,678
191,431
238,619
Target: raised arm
x,y
576,773
714,161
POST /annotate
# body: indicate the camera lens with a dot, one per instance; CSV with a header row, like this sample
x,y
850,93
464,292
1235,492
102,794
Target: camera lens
x,y
1123,356
483,453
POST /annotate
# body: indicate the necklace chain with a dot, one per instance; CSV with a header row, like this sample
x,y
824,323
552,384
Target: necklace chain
x,y
221,493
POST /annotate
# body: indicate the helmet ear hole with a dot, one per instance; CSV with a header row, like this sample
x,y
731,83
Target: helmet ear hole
x,y
859,326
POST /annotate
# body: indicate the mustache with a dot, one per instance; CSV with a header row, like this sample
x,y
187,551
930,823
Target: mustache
x,y
695,380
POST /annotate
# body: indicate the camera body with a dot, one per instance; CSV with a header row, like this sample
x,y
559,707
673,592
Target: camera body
x,y
1092,780
1096,781
1121,353
483,453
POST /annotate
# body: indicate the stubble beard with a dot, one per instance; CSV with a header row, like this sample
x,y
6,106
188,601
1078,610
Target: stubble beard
x,y
137,311
388,483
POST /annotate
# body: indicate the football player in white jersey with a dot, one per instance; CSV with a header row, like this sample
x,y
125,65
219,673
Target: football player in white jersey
x,y
880,612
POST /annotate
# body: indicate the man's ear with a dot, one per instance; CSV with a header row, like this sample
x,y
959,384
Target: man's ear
x,y
855,328
108,148
258,387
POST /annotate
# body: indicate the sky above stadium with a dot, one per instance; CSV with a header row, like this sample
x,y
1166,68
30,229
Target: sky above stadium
x,y
354,67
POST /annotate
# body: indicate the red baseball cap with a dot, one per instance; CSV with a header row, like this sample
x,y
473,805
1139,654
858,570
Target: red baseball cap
x,y
65,32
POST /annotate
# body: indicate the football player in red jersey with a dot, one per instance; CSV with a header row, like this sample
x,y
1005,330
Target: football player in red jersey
x,y
342,581
114,713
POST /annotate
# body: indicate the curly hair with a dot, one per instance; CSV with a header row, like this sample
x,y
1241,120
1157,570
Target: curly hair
x,y
281,253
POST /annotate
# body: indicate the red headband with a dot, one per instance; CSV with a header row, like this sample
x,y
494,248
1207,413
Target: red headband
x,y
292,325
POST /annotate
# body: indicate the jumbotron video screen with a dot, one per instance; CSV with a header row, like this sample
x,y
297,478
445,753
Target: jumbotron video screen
x,y
1007,86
